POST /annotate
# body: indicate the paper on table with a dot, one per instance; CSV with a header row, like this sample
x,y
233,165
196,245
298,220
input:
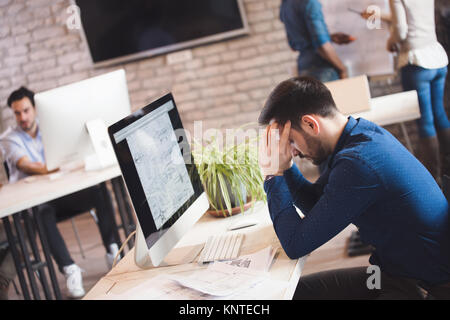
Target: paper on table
x,y
224,278
156,288
243,278
260,260
163,288
221,279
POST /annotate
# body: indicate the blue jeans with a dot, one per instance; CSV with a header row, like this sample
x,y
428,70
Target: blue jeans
x,y
429,84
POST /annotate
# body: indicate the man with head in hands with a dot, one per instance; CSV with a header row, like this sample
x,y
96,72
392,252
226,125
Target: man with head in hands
x,y
371,180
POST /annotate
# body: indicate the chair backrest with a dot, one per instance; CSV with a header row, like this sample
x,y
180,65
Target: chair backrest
x,y
351,95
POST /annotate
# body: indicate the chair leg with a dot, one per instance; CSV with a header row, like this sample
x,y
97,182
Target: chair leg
x,y
15,287
75,230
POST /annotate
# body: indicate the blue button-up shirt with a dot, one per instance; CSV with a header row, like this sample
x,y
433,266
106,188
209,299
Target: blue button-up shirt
x,y
306,30
375,183
18,144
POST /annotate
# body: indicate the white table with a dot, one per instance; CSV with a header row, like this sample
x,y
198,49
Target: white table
x,y
33,191
126,275
27,193
392,109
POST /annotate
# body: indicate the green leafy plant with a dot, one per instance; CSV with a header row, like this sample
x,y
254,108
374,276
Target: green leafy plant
x,y
229,172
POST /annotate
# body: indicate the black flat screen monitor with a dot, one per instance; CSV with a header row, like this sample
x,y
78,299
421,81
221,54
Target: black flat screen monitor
x,y
119,30
157,165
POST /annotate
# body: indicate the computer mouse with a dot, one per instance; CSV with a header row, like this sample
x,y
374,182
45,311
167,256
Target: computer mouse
x,y
242,222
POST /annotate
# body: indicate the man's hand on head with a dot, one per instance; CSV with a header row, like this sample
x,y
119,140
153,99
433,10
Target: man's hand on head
x,y
275,154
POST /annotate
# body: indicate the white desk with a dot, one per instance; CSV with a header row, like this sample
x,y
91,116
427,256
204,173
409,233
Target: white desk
x,y
392,109
126,275
29,193
22,195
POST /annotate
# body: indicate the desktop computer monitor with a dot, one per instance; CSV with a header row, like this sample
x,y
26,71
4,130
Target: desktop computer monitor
x,y
162,180
64,112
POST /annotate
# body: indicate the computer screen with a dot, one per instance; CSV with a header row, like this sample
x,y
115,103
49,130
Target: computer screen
x,y
64,112
157,166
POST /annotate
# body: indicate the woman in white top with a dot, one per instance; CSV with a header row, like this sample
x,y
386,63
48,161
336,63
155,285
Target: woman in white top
x,y
423,63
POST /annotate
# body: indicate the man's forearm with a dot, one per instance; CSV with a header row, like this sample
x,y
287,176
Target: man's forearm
x,y
32,167
305,194
327,52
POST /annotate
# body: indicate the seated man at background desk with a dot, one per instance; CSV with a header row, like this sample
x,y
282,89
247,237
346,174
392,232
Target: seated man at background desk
x,y
25,155
371,181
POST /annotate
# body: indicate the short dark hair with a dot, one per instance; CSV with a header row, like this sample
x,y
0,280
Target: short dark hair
x,y
296,97
19,94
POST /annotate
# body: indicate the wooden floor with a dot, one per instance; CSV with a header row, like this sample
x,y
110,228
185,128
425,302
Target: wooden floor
x,y
331,255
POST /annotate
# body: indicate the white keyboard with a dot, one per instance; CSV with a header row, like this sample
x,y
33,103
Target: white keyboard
x,y
221,247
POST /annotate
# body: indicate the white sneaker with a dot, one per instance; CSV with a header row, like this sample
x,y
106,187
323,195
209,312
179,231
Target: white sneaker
x,y
74,281
113,250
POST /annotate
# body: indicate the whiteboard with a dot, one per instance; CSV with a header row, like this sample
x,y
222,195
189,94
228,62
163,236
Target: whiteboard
x,y
368,54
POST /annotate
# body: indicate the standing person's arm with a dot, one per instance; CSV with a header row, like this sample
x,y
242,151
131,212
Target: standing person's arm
x,y
327,52
399,25
384,16
321,38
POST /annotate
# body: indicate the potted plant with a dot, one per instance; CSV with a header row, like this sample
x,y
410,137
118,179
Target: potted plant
x,y
230,175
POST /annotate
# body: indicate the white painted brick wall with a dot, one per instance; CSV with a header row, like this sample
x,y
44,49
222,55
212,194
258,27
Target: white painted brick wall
x,y
225,84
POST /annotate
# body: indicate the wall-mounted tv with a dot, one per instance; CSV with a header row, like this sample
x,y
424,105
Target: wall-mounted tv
x,y
117,30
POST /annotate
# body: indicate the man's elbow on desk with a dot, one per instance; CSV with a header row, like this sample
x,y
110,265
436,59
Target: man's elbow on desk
x,y
293,247
294,250
285,223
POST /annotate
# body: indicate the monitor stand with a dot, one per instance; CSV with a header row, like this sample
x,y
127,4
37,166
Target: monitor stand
x,y
177,256
141,256
104,155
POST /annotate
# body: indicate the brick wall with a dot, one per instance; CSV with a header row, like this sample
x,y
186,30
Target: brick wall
x,y
224,84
